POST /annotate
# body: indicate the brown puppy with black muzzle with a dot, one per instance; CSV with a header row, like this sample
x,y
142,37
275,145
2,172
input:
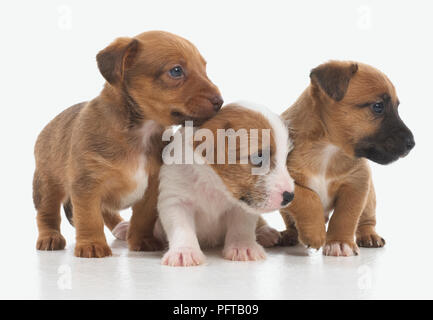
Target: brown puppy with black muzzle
x,y
347,115
102,156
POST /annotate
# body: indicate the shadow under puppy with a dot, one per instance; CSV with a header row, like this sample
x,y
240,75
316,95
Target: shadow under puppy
x,y
101,156
347,115
212,202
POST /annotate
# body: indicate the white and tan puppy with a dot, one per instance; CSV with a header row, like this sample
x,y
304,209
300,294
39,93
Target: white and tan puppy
x,y
218,202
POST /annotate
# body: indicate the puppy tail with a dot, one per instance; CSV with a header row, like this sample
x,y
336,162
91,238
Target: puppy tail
x,y
67,207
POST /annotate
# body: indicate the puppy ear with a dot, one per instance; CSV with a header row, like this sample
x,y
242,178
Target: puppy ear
x,y
333,78
116,58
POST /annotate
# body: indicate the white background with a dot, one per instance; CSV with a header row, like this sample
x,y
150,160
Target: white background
x,y
257,51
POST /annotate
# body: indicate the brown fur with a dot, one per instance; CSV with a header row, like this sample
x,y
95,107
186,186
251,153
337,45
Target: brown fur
x,y
335,109
89,153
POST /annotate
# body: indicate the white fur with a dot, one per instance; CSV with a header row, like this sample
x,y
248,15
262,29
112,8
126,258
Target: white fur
x,y
140,176
196,209
339,249
121,230
319,182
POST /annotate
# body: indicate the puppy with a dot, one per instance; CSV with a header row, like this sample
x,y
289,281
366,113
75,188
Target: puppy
x,y
101,156
211,202
347,115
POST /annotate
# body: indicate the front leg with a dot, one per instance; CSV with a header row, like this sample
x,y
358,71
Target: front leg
x,y
89,224
366,235
240,241
144,215
178,223
351,200
307,212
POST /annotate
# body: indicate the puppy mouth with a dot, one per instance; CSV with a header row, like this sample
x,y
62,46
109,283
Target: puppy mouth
x,y
379,155
249,200
404,154
246,199
180,118
255,202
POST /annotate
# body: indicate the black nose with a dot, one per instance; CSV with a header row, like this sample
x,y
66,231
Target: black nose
x,y
287,198
217,102
410,143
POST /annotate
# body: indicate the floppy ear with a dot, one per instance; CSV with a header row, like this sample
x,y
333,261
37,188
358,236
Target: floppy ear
x,y
333,78
116,58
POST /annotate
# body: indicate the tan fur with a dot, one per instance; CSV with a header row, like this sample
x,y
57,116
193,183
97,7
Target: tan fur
x,y
89,153
318,121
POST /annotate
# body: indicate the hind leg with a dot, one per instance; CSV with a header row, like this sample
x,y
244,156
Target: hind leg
x,y
47,197
266,235
289,237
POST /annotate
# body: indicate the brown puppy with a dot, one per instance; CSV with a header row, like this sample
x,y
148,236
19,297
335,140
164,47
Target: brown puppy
x,y
101,156
347,115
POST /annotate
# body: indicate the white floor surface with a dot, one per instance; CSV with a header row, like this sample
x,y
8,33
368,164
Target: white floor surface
x,y
288,273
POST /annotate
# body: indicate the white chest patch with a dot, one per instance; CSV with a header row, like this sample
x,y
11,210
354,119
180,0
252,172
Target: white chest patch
x,y
319,182
140,177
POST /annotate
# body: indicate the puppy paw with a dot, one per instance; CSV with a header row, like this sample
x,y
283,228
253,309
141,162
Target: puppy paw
x,y
340,249
183,257
267,236
92,250
51,241
145,244
289,238
242,252
313,237
120,231
370,240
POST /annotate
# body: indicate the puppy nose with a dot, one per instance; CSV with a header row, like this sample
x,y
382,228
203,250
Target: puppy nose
x,y
217,102
287,198
410,143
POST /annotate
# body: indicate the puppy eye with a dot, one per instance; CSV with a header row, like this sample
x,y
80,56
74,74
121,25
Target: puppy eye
x,y
176,72
378,107
257,159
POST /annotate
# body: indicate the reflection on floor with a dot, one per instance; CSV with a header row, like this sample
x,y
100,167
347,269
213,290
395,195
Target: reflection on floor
x,y
288,273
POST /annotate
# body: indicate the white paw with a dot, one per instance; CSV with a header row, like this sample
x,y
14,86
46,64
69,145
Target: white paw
x,y
340,249
183,257
242,252
267,236
121,230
